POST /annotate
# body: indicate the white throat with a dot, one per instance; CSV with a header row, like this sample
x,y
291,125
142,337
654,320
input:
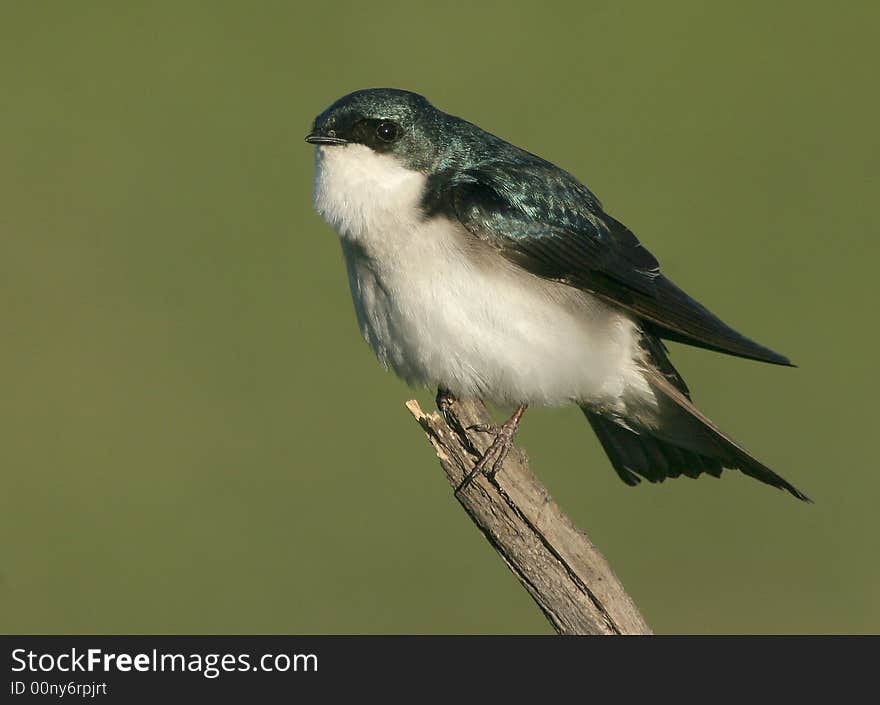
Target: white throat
x,y
362,193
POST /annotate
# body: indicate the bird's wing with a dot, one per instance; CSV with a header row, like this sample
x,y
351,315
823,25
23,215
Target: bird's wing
x,y
547,222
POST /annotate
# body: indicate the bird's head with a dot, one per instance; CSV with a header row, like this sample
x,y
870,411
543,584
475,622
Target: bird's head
x,y
387,121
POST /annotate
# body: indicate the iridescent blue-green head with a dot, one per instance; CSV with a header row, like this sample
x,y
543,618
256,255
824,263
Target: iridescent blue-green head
x,y
388,121
406,126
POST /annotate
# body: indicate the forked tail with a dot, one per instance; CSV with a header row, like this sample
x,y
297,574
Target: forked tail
x,y
682,442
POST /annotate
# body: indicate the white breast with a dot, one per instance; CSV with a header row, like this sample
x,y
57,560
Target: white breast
x,y
440,308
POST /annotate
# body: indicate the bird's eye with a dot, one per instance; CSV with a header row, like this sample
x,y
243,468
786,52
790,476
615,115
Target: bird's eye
x,y
386,131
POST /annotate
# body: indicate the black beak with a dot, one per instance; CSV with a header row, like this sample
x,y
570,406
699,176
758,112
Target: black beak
x,y
318,138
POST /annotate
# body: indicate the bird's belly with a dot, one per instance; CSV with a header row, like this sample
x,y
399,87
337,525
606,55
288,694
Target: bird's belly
x,y
480,326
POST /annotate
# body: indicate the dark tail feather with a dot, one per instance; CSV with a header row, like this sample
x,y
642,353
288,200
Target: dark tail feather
x,y
635,456
684,443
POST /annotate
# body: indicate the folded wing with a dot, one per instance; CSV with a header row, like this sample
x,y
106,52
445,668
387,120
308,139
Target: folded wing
x,y
547,222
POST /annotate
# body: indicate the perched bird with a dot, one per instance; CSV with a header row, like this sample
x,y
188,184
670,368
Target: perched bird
x,y
489,272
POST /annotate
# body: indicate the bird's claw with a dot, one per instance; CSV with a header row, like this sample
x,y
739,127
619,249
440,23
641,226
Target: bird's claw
x,y
445,401
497,452
485,428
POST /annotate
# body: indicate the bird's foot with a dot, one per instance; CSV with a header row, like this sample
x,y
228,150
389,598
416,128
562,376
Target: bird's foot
x,y
497,452
485,428
445,399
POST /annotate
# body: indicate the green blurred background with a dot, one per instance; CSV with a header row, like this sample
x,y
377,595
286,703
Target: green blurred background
x,y
196,439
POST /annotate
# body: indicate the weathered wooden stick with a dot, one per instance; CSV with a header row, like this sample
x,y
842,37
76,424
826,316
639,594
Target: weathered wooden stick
x,y
560,567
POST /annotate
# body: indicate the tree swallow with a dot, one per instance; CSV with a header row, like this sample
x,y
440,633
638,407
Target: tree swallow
x,y
489,272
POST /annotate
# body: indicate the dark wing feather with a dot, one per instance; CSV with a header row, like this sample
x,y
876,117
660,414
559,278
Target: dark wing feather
x,y
551,225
